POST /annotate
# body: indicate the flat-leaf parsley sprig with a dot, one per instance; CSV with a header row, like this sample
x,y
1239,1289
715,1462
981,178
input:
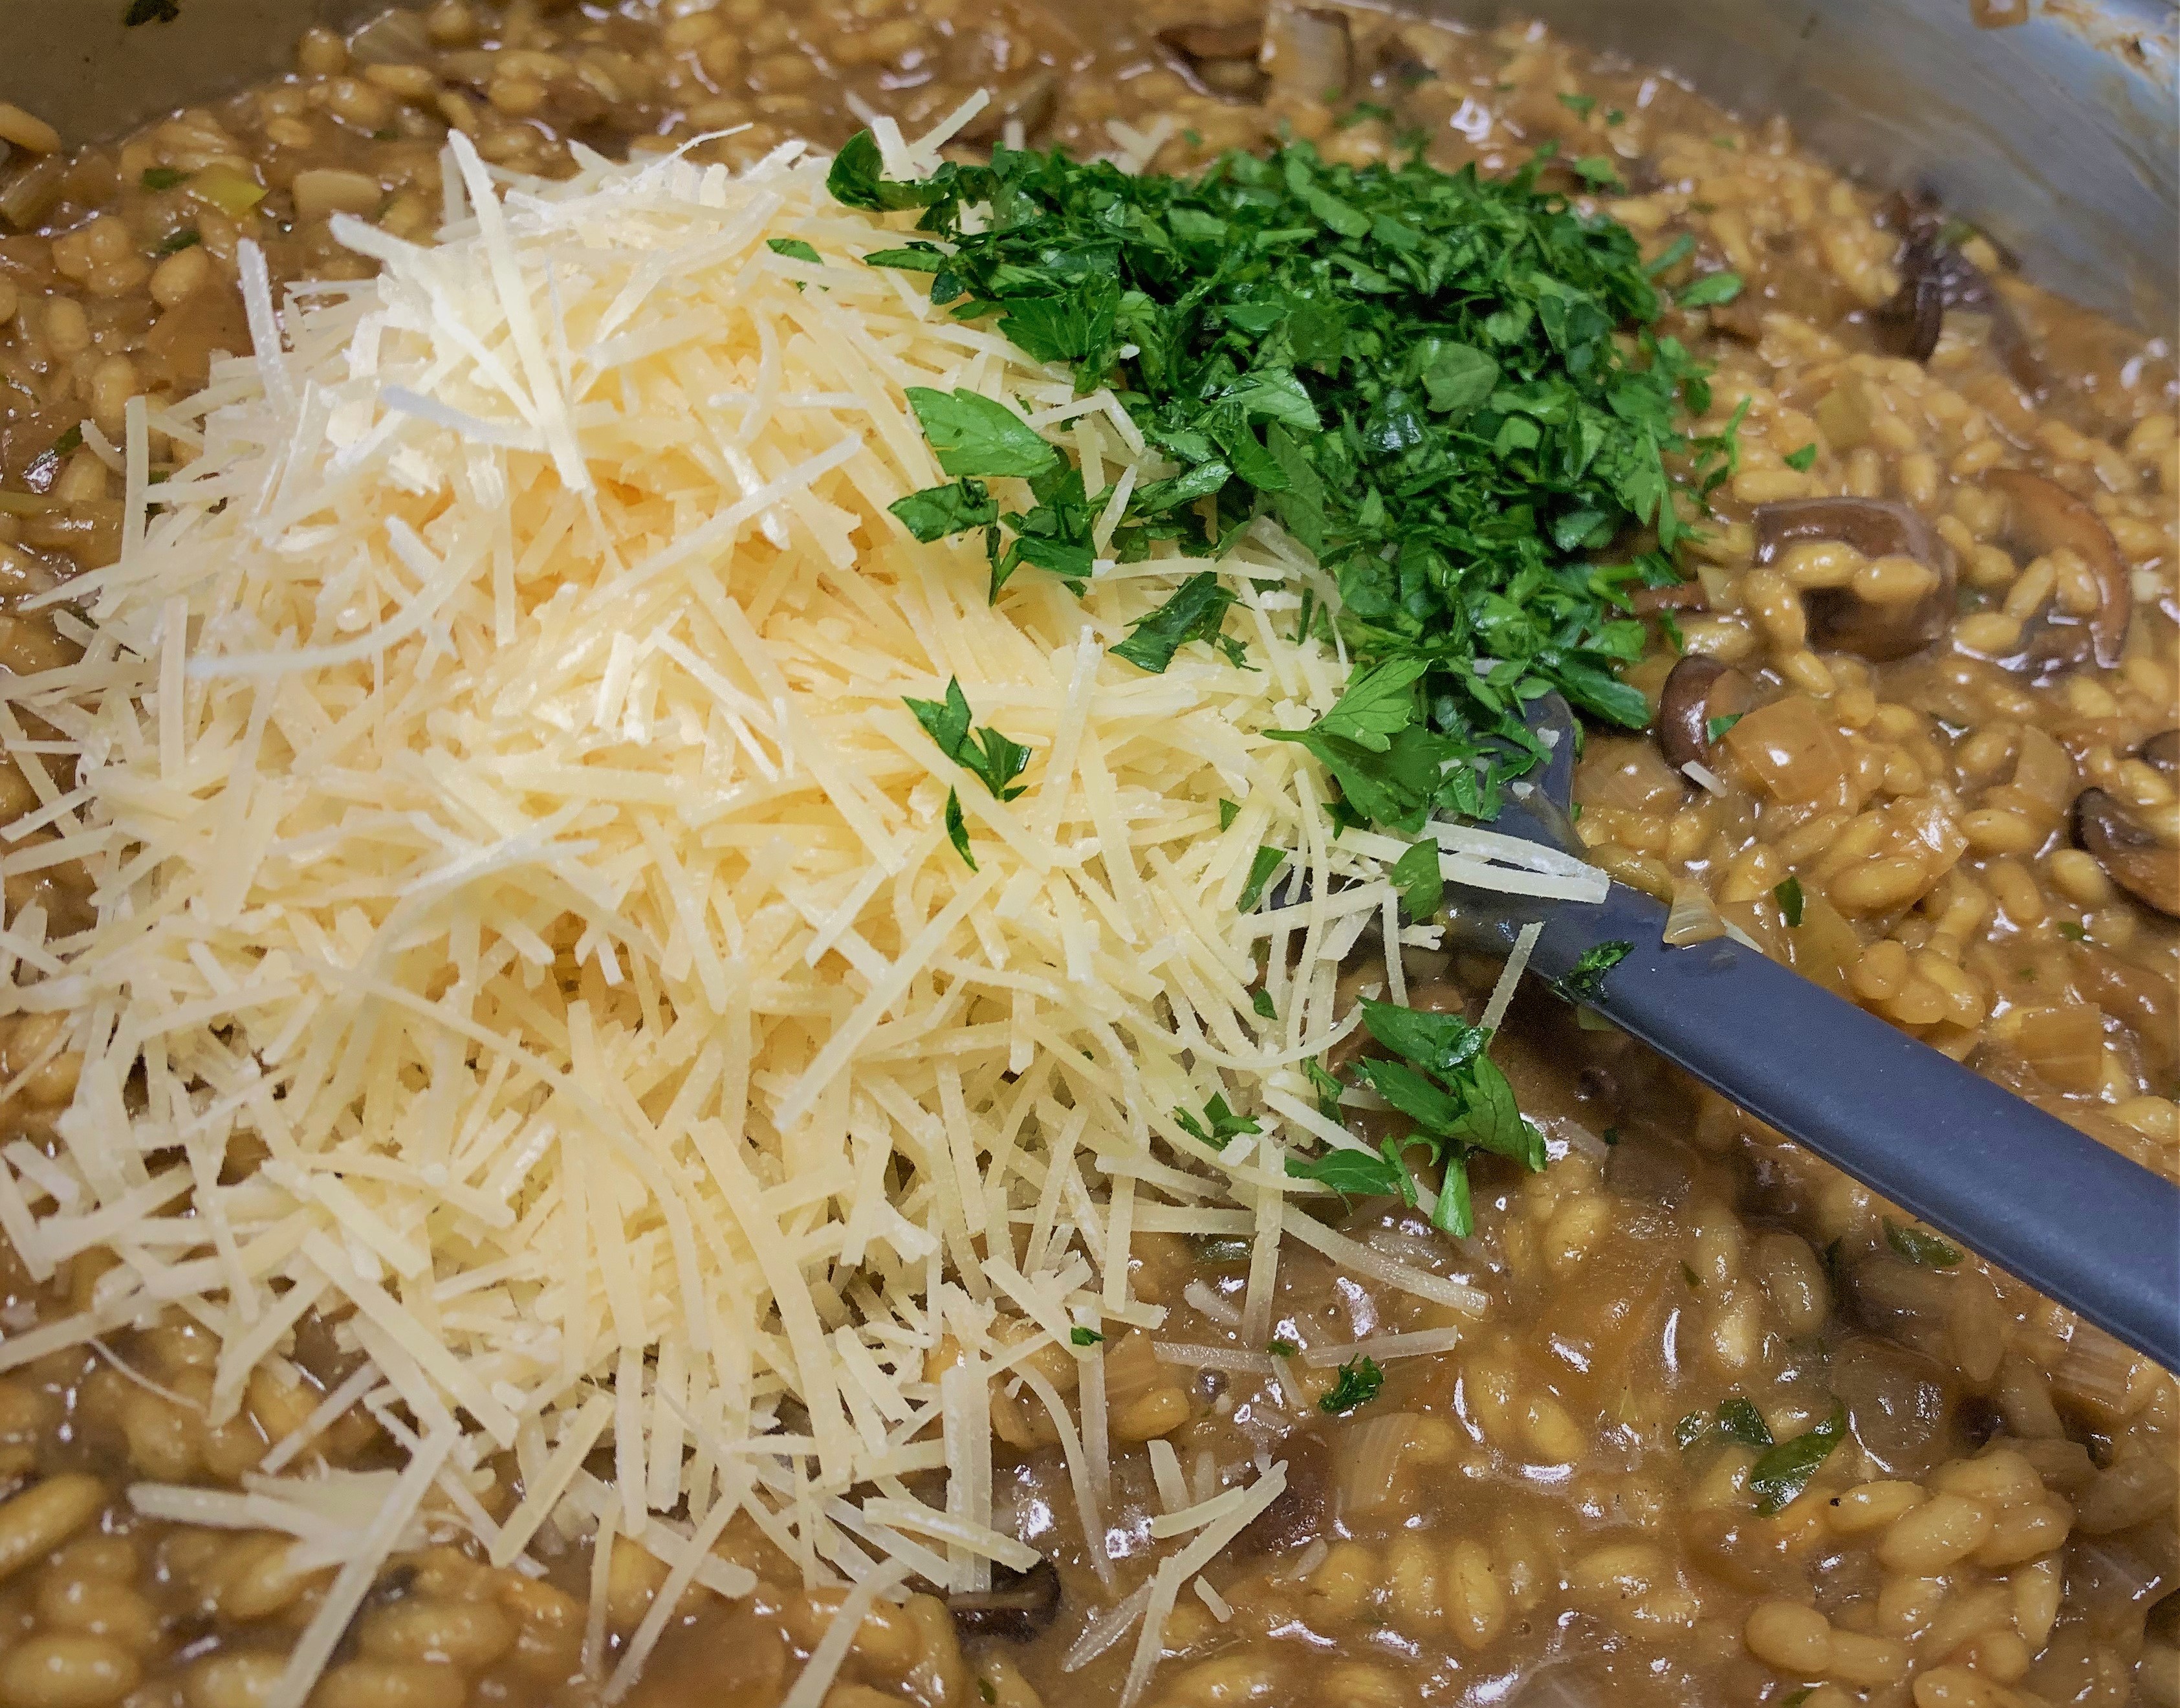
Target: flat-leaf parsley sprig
x,y
1449,387
993,759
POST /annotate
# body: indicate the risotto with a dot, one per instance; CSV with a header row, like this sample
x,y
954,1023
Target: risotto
x,y
1923,666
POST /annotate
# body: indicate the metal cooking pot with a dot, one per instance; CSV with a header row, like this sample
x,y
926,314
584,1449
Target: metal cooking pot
x,y
2051,123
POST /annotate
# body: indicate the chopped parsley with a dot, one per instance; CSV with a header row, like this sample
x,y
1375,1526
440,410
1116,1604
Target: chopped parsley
x,y
986,755
1784,1471
1714,729
1084,1337
1355,1386
1283,1348
1458,1101
1228,810
1194,613
1802,460
1260,1000
1416,875
957,828
1584,982
1327,1085
158,177
175,242
794,248
1579,105
1261,866
1710,290
1448,387
2072,931
1219,1126
1788,895
1927,1249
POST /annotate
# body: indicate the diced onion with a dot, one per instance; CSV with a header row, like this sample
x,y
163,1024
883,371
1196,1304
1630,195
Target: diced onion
x,y
1694,918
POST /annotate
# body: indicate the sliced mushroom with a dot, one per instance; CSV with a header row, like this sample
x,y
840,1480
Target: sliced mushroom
x,y
2134,858
1307,53
1302,1512
2043,517
1017,1607
1699,689
2161,753
1936,278
1876,528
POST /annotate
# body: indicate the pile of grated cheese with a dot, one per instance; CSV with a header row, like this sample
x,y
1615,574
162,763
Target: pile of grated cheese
x,y
527,936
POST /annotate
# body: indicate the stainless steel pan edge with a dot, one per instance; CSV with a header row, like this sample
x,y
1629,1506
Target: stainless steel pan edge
x,y
2057,132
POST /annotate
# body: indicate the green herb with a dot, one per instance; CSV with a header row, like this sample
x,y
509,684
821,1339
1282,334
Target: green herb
x,y
986,754
916,257
1713,287
1363,112
1261,868
1357,1386
175,242
1584,982
1084,1337
1670,627
1678,251
1782,1473
1445,386
986,1690
1612,1135
2072,931
794,248
1802,460
150,12
1788,895
1714,729
1457,1100
935,512
1598,172
957,828
1194,613
1689,1275
1282,1349
1261,1000
1579,105
1740,1421
1416,875
159,178
1613,115
1691,1429
1228,810
1928,1249
69,442
1327,1086
1219,1126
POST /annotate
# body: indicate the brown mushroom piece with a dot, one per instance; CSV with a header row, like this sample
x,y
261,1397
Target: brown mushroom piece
x,y
1302,1512
1307,53
1017,1607
1935,278
1876,528
2042,516
1699,689
2134,856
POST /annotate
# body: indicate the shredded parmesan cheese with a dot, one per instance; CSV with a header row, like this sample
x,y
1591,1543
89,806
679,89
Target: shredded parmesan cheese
x,y
507,824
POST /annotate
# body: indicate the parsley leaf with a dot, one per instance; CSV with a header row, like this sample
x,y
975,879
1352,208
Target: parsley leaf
x,y
1266,862
1714,729
1193,613
175,242
1788,895
1261,1000
1678,251
1219,1126
1353,1173
957,828
986,755
1585,980
2072,931
1356,1385
936,512
1416,875
158,177
1228,810
975,435
1281,1347
1740,1421
1802,460
1928,1249
1579,105
1783,1472
1084,1337
1327,1086
1710,290
794,248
